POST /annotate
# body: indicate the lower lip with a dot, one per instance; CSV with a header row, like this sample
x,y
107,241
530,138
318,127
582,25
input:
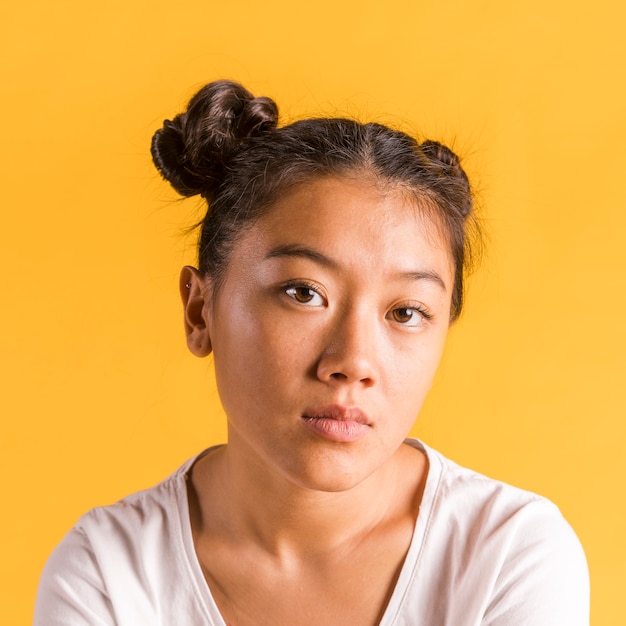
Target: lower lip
x,y
343,431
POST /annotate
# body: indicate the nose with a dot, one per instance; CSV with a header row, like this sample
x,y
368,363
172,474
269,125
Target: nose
x,y
350,353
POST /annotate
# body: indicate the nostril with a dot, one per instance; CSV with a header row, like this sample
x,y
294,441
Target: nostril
x,y
347,363
338,376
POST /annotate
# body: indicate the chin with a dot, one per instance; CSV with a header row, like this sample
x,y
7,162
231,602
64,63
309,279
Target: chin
x,y
332,472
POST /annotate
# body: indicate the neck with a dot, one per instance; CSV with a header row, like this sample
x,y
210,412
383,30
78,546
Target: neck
x,y
246,500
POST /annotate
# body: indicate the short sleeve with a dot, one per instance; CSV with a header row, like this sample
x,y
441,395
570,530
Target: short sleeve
x,y
71,590
544,580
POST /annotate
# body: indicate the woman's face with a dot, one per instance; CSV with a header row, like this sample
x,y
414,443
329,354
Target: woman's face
x,y
327,331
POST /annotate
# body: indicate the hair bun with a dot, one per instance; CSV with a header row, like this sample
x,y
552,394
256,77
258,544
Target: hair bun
x,y
192,150
450,166
438,152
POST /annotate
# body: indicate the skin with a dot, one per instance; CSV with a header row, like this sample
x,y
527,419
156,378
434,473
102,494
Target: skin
x,y
339,296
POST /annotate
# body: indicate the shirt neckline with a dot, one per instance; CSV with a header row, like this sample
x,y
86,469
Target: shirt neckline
x,y
420,531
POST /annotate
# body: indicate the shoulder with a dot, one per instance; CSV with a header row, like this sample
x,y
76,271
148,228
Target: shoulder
x,y
505,551
462,493
149,510
120,557
140,520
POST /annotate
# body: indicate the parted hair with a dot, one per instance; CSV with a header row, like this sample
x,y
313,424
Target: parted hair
x,y
228,148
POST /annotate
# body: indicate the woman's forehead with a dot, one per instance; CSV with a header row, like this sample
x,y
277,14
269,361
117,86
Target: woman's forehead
x,y
354,222
338,205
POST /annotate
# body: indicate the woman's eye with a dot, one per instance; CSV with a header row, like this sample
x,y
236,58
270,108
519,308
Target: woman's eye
x,y
408,316
305,295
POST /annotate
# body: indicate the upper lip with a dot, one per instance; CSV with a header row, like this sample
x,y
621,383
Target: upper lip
x,y
338,412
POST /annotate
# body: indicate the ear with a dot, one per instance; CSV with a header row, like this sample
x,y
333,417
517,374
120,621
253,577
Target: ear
x,y
195,293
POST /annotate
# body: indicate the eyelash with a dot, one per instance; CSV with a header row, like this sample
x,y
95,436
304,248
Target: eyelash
x,y
294,285
422,312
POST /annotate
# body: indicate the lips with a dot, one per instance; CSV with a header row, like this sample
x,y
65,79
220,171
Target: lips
x,y
337,423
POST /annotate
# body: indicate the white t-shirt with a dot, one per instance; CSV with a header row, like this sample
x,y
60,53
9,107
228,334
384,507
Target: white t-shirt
x,y
482,553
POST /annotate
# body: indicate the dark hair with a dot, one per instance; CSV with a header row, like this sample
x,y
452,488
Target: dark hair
x,y
227,148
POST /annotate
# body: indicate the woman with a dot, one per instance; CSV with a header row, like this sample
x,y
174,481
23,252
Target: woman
x,y
331,265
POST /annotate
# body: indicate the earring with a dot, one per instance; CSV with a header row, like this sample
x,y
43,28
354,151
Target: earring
x,y
188,285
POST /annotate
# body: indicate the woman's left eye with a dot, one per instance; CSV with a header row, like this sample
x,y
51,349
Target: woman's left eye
x,y
408,316
304,295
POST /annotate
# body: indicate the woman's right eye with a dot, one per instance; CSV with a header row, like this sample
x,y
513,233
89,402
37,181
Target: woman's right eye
x,y
303,294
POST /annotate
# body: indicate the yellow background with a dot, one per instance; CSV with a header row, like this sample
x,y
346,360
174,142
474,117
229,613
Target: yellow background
x,y
100,397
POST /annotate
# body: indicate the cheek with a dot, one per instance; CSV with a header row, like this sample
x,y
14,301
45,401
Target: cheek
x,y
260,352
413,368
286,353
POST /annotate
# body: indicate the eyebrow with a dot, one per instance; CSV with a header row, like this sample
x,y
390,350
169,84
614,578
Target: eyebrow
x,y
294,250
